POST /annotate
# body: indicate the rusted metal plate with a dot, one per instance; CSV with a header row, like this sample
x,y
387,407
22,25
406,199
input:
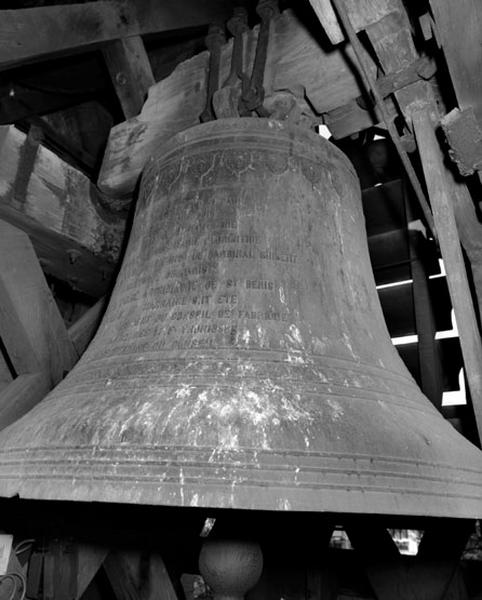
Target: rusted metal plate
x,y
243,361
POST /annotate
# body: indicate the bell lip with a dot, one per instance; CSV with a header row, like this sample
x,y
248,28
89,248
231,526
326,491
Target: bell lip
x,y
345,502
256,126
335,484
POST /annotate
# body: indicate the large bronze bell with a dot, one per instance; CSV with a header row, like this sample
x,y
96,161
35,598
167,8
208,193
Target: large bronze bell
x,y
243,360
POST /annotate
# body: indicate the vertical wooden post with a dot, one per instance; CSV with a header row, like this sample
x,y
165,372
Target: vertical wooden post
x,y
429,361
130,580
382,561
130,71
440,188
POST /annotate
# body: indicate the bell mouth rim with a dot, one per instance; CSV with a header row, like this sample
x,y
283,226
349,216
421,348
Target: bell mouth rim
x,y
259,127
263,485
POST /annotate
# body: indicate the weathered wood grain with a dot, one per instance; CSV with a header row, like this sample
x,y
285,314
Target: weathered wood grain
x,y
296,62
361,12
76,239
458,27
439,188
38,345
22,394
381,561
5,374
132,579
172,105
130,72
352,118
31,326
30,34
83,330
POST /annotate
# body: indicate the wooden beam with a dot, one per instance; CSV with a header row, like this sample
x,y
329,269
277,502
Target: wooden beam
x,y
392,40
83,330
296,62
89,560
21,395
431,378
25,391
382,561
31,326
69,567
440,191
352,118
76,238
458,26
470,232
361,12
135,576
30,34
428,575
130,72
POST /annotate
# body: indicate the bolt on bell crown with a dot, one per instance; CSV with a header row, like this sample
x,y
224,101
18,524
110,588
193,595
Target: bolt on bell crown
x,y
243,361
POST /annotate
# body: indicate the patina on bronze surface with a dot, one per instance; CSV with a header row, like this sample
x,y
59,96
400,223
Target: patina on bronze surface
x,y
244,360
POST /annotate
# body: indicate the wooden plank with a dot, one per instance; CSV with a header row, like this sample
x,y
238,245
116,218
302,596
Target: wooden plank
x,y
136,576
31,326
394,32
439,188
64,28
431,378
158,584
470,231
39,347
296,62
459,25
89,560
77,240
130,72
393,43
21,395
434,573
83,330
361,12
121,578
382,561
352,118
172,106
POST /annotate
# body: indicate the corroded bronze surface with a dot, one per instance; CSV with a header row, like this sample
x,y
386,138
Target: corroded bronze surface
x,y
243,360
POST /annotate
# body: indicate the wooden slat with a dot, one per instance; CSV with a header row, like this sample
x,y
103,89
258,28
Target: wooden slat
x,y
352,118
5,372
130,71
393,32
393,43
470,231
458,26
439,188
296,62
382,562
136,576
431,378
33,33
120,578
22,394
31,326
89,560
361,12
75,238
83,330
